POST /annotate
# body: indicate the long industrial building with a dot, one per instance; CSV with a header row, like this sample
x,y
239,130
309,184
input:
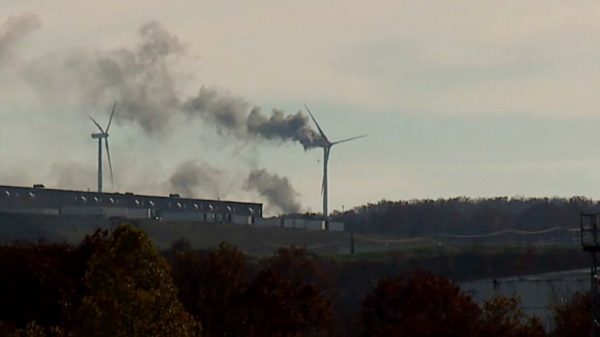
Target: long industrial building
x,y
45,201
40,200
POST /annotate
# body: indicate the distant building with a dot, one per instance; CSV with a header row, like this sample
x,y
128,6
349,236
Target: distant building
x,y
40,200
300,223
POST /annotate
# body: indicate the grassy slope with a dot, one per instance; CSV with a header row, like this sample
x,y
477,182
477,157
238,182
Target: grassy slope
x,y
387,252
253,241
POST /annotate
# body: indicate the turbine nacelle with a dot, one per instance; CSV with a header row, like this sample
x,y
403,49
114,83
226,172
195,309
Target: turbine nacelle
x,y
99,135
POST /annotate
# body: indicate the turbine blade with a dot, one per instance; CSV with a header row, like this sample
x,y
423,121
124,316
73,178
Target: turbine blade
x,y
112,179
111,117
348,139
317,124
98,125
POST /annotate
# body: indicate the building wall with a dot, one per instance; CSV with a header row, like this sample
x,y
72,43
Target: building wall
x,y
35,200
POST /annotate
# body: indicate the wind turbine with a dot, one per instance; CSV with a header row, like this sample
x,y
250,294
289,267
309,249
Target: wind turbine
x,y
327,145
103,134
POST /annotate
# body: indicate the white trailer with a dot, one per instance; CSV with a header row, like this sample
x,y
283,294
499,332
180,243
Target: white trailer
x,y
241,219
293,223
315,225
183,216
42,211
336,226
81,210
267,222
139,213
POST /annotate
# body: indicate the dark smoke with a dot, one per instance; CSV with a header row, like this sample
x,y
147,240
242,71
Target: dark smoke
x,y
137,78
284,127
227,113
141,81
13,30
197,180
232,115
277,190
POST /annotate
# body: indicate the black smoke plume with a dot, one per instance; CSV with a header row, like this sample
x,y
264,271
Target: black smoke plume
x,y
279,126
234,116
277,190
197,180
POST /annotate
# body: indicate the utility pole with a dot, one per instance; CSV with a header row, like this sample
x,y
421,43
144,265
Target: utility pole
x,y
589,223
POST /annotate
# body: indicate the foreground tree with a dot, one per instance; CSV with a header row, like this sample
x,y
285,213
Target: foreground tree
x,y
572,317
504,317
211,285
422,305
32,329
36,279
129,291
289,297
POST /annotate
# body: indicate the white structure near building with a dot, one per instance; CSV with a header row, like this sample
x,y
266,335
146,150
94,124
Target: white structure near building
x,y
299,223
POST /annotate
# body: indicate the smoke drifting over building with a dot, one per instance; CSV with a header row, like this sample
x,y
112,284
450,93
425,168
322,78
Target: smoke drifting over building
x,y
13,30
73,175
190,178
277,190
142,81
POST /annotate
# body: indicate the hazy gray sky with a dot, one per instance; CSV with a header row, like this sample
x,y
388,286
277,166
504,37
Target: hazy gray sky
x,y
459,98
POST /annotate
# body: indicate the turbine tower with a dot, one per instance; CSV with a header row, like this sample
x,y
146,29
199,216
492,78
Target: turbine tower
x,y
327,145
103,134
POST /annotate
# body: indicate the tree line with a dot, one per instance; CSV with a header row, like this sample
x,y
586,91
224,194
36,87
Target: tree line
x,y
115,283
465,215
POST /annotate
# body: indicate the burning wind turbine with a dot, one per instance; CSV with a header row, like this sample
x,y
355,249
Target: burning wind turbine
x,y
327,145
